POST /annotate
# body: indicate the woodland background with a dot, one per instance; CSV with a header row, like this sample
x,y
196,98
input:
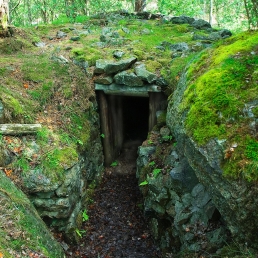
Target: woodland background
x,y
232,14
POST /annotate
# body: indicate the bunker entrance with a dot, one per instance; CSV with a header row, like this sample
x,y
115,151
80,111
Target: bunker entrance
x,y
126,117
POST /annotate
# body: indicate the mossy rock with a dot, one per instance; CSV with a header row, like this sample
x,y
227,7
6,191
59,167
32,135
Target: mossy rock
x,y
220,86
152,65
26,232
91,55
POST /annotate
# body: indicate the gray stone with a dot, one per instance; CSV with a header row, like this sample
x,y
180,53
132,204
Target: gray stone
x,y
105,38
106,30
128,79
40,44
125,30
166,19
1,113
145,75
100,66
160,81
60,59
75,38
197,47
145,31
180,47
201,24
111,67
82,64
33,184
182,20
60,34
104,80
118,54
84,33
164,131
224,33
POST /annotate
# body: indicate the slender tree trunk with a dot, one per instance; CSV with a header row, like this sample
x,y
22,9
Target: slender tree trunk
x,y
139,5
29,11
247,14
211,12
4,14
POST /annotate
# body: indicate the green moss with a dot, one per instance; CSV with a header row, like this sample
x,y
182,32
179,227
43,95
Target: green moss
x,y
25,228
91,55
219,86
240,43
152,65
141,55
56,161
12,104
161,119
255,111
17,108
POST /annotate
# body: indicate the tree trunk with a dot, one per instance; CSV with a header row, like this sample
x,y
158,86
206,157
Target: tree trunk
x,y
4,14
139,5
211,12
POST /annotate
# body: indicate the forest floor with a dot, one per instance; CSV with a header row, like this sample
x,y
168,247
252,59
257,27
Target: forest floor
x,y
116,227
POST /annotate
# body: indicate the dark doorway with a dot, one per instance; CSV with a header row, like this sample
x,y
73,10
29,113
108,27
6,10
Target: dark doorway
x,y
135,118
126,117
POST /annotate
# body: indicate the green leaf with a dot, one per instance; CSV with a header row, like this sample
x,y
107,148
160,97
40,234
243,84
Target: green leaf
x,y
114,164
85,216
152,163
144,183
156,172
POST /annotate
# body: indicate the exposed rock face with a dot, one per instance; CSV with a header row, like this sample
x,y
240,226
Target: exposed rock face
x,y
180,209
60,198
236,200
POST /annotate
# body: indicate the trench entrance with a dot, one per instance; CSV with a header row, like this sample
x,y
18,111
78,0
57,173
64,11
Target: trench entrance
x,y
117,227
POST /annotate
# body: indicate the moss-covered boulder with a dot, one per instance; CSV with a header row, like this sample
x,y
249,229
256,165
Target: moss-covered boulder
x,y
22,232
212,116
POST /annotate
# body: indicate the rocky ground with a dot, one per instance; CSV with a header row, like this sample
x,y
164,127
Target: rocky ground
x,y
116,227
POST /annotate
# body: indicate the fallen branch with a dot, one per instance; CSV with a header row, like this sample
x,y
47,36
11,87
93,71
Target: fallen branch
x,y
19,129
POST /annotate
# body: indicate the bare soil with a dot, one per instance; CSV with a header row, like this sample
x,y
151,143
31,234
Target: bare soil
x,y
116,227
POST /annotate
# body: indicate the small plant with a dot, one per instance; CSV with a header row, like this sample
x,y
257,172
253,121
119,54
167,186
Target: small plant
x,y
167,137
114,164
85,216
156,172
80,232
79,142
102,135
152,163
150,142
251,150
145,182
43,135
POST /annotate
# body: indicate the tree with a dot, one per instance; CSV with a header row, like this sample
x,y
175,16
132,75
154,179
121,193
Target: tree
x,y
251,7
139,5
4,14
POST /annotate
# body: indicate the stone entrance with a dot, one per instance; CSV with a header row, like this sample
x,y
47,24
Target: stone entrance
x,y
126,116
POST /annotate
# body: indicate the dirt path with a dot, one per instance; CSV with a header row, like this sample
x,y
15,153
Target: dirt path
x,y
116,227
